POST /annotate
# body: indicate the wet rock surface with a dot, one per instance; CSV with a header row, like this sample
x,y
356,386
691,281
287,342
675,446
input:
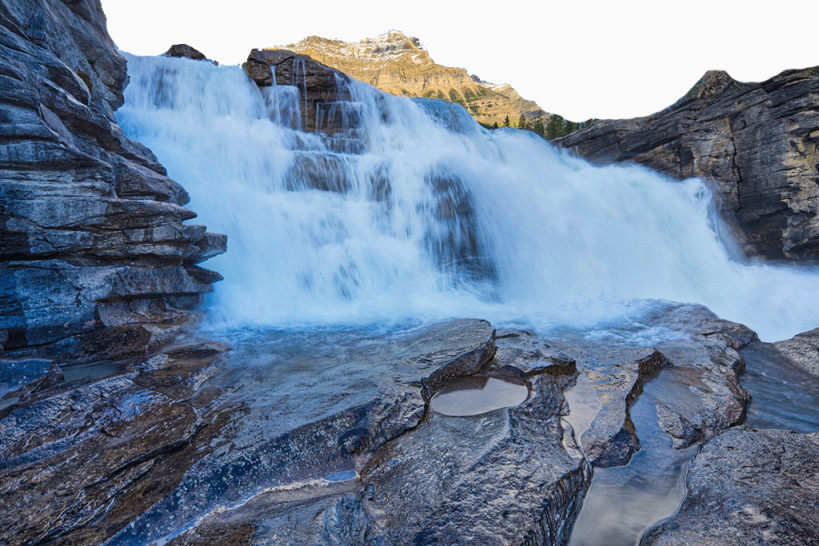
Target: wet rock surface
x,y
640,399
755,142
695,358
321,86
748,486
82,455
195,443
327,436
780,377
97,261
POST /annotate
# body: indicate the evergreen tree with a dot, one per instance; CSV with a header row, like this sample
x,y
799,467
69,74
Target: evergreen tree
x,y
495,126
506,121
522,123
555,127
538,127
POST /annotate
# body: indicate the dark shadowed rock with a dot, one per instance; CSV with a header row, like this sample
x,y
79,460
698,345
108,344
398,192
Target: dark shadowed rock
x,y
188,52
756,144
748,486
320,85
96,260
86,447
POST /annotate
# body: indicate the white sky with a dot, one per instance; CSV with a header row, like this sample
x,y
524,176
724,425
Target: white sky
x,y
581,59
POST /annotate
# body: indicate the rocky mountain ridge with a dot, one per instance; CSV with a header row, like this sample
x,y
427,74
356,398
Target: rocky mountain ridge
x,y
756,144
398,64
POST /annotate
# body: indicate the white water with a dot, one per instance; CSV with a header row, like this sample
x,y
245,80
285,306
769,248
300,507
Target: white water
x,y
538,236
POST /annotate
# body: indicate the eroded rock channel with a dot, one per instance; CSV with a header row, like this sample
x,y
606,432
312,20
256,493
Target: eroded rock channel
x,y
328,436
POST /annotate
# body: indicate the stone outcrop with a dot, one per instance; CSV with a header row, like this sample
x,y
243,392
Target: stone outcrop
x,y
398,64
302,438
700,355
748,486
320,86
187,52
289,438
97,260
755,143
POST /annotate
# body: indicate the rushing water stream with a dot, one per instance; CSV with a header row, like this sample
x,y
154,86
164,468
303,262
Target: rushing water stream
x,y
427,215
417,213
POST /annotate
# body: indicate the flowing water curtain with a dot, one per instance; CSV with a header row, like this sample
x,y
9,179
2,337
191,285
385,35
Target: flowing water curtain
x,y
397,208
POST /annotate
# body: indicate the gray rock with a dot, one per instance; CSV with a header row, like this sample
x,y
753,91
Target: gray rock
x,y
697,373
499,478
161,443
755,143
782,379
96,259
802,350
705,396
188,52
748,486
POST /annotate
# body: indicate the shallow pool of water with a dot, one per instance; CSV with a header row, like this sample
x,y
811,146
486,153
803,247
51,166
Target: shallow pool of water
x,y
476,395
583,405
624,500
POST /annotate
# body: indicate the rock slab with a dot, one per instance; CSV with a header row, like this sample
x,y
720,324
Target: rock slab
x,y
748,486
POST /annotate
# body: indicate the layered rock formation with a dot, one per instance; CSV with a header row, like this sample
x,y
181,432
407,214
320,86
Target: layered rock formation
x,y
337,446
331,437
398,64
755,142
319,85
97,261
748,486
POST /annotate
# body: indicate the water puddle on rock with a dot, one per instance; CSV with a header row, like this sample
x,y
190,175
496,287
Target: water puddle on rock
x,y
583,405
476,395
782,395
624,500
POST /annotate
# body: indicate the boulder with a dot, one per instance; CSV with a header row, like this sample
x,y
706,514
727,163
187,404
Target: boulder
x,y
802,350
188,52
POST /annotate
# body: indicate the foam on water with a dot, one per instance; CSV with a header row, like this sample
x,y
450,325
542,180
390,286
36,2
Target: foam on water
x,y
416,212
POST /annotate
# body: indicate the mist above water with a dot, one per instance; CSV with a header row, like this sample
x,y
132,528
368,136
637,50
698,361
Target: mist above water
x,y
415,212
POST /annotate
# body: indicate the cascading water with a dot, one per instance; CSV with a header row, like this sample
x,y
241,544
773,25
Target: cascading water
x,y
413,211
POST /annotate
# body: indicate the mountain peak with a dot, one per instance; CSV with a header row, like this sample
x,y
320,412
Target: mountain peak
x,y
713,82
398,64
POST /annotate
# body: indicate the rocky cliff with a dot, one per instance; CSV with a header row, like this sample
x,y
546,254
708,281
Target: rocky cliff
x,y
97,261
398,64
318,84
756,143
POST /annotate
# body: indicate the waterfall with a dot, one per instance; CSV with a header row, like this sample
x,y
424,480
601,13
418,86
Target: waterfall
x,y
410,210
